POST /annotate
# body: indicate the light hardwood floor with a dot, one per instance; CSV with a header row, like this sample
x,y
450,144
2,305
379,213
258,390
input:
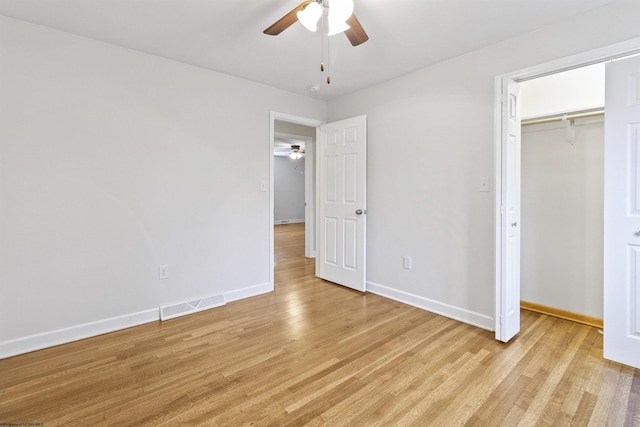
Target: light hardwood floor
x,y
313,353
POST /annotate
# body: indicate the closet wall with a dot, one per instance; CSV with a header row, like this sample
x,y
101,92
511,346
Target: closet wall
x,y
562,216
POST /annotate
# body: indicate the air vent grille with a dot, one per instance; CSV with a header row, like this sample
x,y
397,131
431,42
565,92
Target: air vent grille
x,y
182,309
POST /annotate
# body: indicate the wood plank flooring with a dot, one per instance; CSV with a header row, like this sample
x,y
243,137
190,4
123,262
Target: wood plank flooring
x,y
313,353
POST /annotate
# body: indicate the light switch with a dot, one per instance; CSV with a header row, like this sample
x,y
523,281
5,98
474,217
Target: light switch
x,y
406,262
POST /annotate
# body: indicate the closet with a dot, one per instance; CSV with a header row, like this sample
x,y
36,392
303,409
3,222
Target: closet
x,y
562,192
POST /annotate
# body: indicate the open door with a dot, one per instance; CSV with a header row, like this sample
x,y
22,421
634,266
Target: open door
x,y
622,212
342,204
508,295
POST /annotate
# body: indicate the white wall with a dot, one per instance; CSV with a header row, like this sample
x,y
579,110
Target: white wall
x,y
114,162
563,216
288,194
566,92
431,137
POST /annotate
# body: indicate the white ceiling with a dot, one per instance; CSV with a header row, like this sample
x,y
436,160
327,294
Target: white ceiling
x,y
226,35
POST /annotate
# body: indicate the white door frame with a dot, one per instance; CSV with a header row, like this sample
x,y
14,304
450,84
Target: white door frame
x,y
273,116
310,198
603,54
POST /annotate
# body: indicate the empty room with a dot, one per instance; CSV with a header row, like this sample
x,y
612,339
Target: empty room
x,y
156,270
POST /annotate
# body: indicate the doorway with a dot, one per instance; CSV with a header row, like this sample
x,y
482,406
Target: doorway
x,y
294,180
286,125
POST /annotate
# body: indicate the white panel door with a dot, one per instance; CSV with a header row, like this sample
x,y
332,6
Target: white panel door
x,y
342,185
622,212
508,297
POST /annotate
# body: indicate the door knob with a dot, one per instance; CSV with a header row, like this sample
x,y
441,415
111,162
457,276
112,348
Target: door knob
x,y
359,212
514,224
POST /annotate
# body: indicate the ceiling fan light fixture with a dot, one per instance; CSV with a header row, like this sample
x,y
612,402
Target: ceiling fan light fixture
x,y
339,12
310,16
336,15
337,27
296,153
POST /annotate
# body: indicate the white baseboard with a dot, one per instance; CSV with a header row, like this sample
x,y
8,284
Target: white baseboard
x,y
75,333
288,221
248,292
92,329
450,311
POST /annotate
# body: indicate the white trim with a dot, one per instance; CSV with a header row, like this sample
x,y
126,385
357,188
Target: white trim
x,y
248,292
595,56
288,221
603,54
317,202
75,333
447,310
273,116
310,199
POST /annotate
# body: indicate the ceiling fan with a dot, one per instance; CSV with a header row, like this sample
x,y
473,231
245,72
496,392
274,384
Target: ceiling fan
x,y
340,18
296,152
284,146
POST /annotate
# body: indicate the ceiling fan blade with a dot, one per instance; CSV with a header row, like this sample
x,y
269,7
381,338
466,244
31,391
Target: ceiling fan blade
x,y
355,33
287,20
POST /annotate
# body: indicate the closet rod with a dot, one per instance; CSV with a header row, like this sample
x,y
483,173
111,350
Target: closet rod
x,y
560,118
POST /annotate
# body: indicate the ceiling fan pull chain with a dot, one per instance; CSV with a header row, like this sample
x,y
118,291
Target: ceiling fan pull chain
x,y
328,60
328,63
322,41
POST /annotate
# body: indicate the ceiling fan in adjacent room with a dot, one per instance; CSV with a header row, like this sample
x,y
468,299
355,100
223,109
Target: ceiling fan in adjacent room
x,y
284,146
296,152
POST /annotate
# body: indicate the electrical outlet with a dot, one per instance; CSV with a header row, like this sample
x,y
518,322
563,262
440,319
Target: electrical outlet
x,y
484,183
406,262
163,272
